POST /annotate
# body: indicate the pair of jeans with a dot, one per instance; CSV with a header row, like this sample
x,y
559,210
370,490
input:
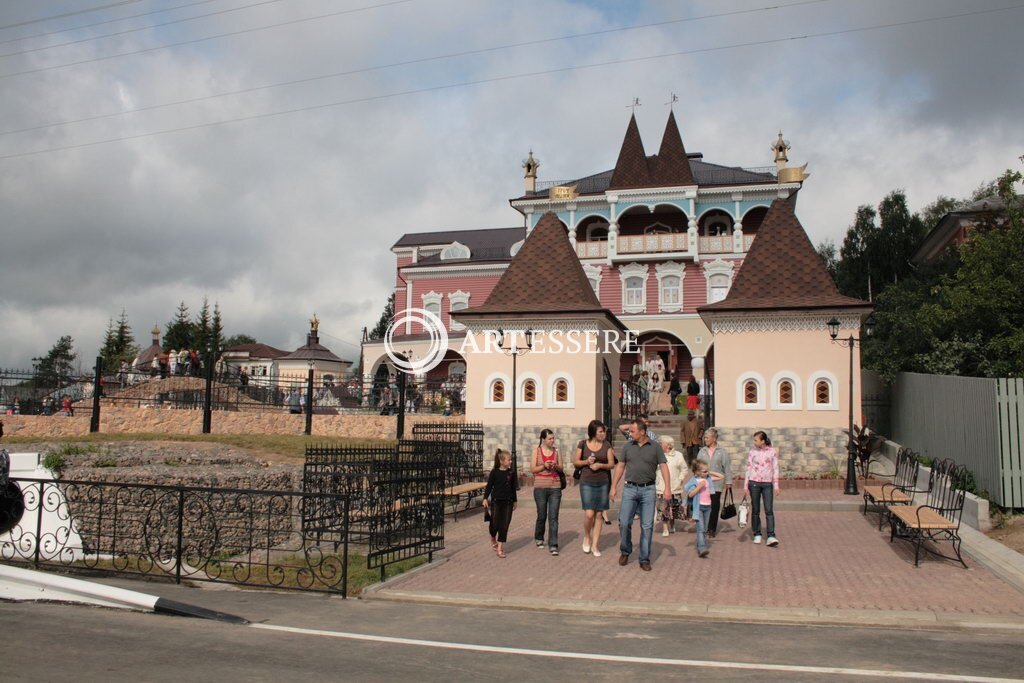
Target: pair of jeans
x,y
644,499
548,501
757,491
702,513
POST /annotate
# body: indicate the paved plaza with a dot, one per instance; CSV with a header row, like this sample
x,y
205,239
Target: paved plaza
x,y
826,560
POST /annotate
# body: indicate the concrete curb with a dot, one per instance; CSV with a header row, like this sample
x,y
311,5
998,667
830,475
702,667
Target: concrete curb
x,y
1005,563
925,619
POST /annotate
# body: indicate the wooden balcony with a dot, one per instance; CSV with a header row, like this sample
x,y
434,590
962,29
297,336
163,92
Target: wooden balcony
x,y
675,243
722,244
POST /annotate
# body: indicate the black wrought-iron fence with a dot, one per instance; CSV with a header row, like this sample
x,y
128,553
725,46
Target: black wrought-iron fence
x,y
29,392
249,537
633,400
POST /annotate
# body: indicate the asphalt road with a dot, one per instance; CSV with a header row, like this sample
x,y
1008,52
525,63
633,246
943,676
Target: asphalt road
x,y
54,642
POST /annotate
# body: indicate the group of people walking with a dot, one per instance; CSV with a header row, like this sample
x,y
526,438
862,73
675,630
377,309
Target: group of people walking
x,y
649,476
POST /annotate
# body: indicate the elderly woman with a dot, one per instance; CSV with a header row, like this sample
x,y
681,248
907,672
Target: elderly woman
x,y
670,511
717,459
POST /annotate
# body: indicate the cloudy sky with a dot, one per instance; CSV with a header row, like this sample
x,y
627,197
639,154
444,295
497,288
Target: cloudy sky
x,y
279,201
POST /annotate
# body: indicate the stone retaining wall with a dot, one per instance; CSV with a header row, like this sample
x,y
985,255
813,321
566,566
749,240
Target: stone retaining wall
x,y
169,421
803,451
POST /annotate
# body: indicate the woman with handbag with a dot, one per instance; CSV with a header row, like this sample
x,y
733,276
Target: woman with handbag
x,y
717,459
594,460
548,482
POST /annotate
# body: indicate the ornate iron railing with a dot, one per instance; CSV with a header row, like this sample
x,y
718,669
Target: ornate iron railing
x,y
633,400
240,536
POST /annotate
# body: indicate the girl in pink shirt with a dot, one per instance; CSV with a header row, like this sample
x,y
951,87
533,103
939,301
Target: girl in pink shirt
x,y
761,480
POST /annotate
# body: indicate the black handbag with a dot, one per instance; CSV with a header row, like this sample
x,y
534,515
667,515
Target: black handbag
x,y
729,509
579,470
562,483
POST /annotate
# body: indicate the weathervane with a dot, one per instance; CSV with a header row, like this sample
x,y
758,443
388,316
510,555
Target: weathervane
x,y
672,100
636,103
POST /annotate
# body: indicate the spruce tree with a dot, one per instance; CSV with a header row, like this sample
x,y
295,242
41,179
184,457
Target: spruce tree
x,y
381,328
217,331
180,333
55,368
202,328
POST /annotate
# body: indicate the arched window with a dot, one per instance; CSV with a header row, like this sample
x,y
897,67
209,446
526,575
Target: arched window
x,y
455,251
498,391
529,391
786,392
561,391
718,288
750,393
597,233
822,392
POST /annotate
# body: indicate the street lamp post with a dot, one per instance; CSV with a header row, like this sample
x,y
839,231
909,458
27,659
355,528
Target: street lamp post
x,y
515,351
851,450
208,401
309,399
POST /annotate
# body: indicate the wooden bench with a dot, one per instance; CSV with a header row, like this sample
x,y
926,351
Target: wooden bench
x,y
900,491
468,491
939,518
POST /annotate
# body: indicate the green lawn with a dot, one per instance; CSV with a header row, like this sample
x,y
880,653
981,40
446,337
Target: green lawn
x,y
289,445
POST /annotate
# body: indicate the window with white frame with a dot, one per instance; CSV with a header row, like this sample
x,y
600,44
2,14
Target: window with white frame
x,y
670,286
497,392
786,391
561,391
529,391
455,250
750,390
458,301
718,274
432,302
821,391
634,288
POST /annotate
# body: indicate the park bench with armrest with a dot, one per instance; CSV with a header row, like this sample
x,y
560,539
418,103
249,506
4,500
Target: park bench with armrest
x,y
468,492
939,518
899,491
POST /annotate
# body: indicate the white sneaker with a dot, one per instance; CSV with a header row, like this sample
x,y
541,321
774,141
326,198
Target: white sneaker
x,y
757,539
586,546
664,532
596,552
540,544
772,541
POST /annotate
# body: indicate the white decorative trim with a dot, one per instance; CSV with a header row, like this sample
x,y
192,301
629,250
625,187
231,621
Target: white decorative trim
x,y
461,299
455,250
432,297
833,393
793,378
781,323
552,403
413,272
516,324
770,190
761,388
488,385
514,249
594,273
717,267
629,271
670,269
521,402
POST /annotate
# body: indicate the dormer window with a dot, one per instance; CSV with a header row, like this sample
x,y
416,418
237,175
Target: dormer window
x,y
455,251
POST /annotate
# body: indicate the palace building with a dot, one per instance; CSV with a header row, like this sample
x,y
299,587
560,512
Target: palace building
x,y
657,246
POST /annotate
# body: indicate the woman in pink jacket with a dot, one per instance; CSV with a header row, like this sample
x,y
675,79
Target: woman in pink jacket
x,y
762,481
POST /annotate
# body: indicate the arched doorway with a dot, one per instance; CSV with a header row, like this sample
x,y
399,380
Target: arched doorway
x,y
655,346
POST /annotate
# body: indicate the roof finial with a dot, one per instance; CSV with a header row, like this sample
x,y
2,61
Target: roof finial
x,y
531,165
314,323
636,103
156,334
780,147
673,98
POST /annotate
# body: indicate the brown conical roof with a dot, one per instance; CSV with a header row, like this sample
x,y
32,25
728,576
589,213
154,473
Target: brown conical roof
x,y
672,167
544,277
782,271
631,169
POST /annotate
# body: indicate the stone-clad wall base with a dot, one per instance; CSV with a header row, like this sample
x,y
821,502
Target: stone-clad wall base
x,y
500,436
803,451
162,421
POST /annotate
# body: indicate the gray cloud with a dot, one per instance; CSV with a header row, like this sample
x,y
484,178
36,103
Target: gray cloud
x,y
278,217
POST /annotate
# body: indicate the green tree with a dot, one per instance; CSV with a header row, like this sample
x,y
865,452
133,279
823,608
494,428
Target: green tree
x,y
217,330
827,252
899,236
202,327
180,333
118,343
381,328
854,268
54,369
238,340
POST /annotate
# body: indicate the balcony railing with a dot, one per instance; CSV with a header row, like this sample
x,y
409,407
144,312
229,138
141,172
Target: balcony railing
x,y
592,249
653,244
660,244
719,244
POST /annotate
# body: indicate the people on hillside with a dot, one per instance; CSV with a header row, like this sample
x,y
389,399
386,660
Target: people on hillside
x,y
500,499
640,461
690,434
699,489
761,480
595,459
547,489
717,459
671,509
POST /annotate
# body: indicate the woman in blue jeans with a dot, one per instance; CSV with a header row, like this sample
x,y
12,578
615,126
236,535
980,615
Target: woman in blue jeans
x,y
547,489
761,480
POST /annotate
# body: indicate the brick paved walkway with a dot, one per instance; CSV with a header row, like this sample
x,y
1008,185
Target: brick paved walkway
x,y
826,560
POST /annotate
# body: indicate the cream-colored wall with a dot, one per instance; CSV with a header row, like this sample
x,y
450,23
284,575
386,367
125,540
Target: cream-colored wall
x,y
767,353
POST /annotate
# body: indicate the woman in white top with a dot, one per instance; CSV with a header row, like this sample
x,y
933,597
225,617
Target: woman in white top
x,y
677,472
